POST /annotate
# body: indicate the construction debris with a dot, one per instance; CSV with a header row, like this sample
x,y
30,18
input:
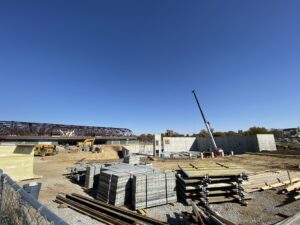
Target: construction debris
x,y
211,183
203,216
104,212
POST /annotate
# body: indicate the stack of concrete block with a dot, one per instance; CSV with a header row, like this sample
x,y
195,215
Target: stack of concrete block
x,y
77,172
140,186
154,189
92,175
132,159
115,183
114,188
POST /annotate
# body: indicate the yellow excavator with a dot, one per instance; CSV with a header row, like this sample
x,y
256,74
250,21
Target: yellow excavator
x,y
89,145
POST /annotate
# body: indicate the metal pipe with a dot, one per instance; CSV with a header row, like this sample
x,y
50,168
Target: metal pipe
x,y
145,219
93,211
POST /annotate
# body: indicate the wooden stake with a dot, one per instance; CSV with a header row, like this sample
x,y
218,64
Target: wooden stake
x,y
288,172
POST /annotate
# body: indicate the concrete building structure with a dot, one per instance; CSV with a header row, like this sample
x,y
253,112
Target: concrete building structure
x,y
138,148
238,144
157,145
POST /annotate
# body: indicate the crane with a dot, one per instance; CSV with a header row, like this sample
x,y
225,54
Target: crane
x,y
207,124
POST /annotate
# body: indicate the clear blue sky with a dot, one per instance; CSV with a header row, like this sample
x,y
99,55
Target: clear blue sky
x,y
134,63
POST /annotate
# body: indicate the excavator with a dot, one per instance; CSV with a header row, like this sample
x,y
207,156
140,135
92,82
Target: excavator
x,y
50,149
214,151
89,145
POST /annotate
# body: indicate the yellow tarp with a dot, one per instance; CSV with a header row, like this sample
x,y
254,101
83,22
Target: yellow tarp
x,y
17,161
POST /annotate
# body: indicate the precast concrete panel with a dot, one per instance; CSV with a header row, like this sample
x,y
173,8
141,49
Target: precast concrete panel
x,y
179,144
237,144
16,160
266,142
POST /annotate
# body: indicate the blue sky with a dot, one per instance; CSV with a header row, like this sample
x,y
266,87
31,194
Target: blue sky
x,y
134,63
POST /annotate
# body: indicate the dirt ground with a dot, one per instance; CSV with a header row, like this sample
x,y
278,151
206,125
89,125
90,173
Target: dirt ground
x,y
262,209
250,162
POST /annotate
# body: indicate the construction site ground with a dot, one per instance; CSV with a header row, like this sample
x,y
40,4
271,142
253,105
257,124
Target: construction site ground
x,y
262,209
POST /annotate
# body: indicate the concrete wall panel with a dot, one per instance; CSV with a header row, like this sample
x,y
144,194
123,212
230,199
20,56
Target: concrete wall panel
x,y
266,142
17,161
179,144
238,144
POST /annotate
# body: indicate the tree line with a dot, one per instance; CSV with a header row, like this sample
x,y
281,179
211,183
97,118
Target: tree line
x,y
203,133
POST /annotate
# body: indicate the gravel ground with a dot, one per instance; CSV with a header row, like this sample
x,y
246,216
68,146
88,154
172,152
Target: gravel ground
x,y
168,213
261,210
71,216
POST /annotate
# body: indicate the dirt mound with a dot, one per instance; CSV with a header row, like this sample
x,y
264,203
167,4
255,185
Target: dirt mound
x,y
108,153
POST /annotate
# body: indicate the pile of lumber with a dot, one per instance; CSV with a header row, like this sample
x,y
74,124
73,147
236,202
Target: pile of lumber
x,y
104,212
186,155
293,190
208,183
203,216
270,179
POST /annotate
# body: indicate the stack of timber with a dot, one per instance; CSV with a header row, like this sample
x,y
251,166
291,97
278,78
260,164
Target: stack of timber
x,y
208,183
139,186
150,190
104,212
186,155
203,216
293,190
270,179
132,159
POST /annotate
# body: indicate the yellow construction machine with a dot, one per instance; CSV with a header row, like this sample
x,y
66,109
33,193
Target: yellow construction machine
x,y
48,148
89,145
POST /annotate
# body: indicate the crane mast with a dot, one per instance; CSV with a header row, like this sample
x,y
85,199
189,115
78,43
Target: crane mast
x,y
212,140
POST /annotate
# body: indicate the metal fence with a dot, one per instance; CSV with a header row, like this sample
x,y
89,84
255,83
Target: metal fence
x,y
17,207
